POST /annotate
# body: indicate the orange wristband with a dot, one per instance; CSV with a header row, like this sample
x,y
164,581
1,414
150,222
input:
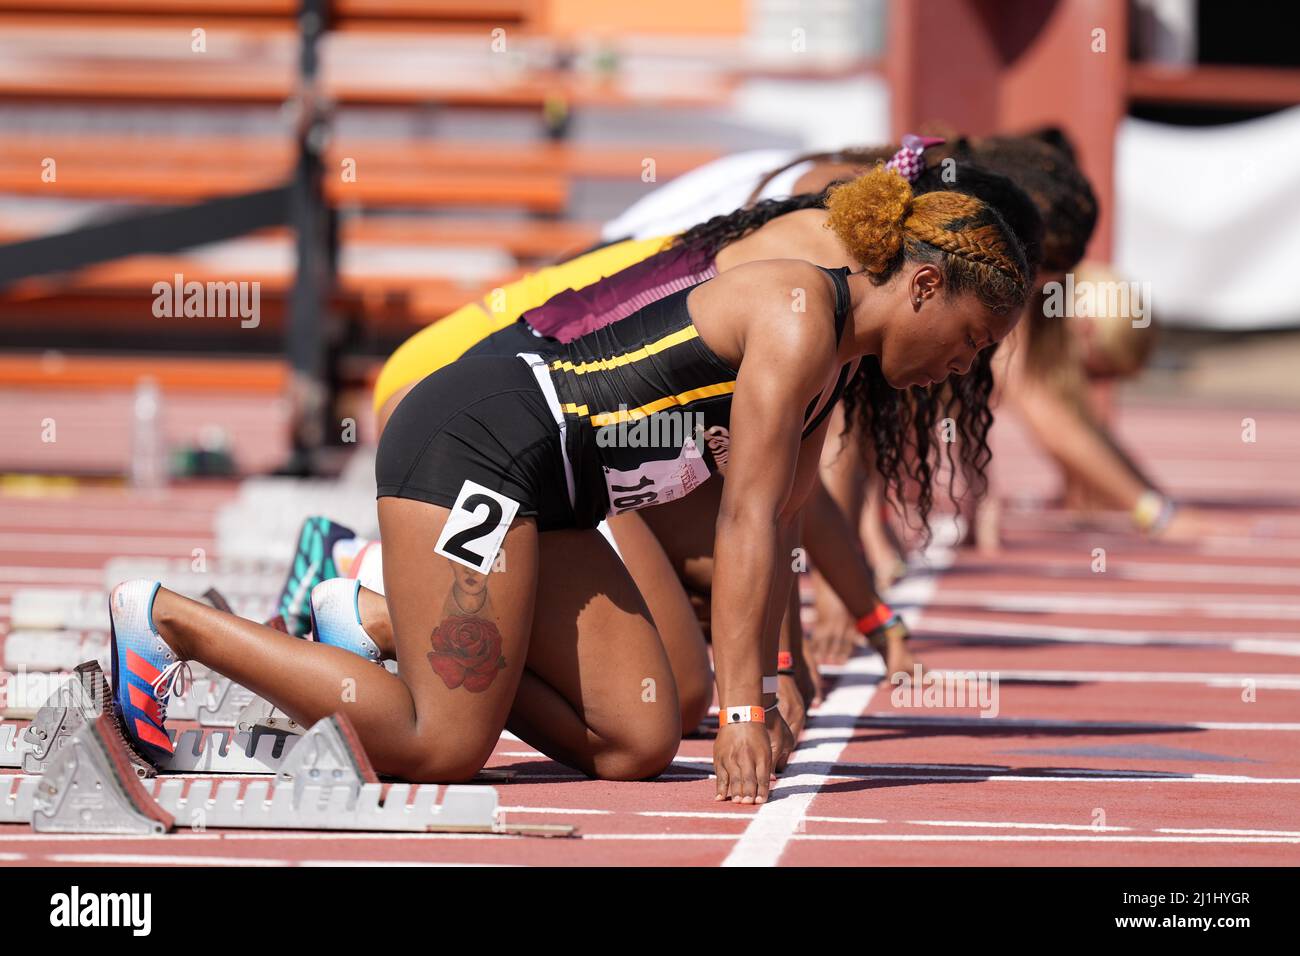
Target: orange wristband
x,y
741,715
784,661
878,618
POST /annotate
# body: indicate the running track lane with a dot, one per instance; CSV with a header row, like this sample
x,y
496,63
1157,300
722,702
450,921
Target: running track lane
x,y
1147,715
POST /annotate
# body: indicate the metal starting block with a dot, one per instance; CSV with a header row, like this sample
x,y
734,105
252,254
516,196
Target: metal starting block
x,y
225,702
259,714
325,784
80,700
225,751
11,750
93,781
91,786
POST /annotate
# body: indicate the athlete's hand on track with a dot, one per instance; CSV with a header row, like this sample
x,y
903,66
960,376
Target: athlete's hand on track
x,y
834,637
835,633
792,707
742,759
783,740
897,652
1192,524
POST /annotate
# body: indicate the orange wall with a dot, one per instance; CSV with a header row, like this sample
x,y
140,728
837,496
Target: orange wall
x,y
693,17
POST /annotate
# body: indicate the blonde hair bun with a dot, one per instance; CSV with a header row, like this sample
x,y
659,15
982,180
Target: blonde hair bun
x,y
868,214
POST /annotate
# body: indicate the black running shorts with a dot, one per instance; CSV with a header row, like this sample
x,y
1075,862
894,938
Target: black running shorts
x,y
481,419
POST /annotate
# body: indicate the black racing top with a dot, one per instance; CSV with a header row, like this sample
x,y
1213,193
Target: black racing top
x,y
647,405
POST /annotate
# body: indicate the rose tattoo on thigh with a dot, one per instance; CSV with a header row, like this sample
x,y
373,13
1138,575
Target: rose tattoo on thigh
x,y
467,644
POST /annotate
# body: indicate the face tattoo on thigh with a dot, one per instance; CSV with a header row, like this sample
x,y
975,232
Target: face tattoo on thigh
x,y
467,645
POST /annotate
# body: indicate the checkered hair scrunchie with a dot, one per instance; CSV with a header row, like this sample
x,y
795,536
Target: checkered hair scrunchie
x,y
908,162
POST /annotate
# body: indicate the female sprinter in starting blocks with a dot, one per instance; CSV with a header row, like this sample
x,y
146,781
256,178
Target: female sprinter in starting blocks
x,y
508,608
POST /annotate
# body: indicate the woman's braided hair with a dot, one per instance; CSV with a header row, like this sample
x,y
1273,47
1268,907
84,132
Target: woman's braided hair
x,y
900,423
882,223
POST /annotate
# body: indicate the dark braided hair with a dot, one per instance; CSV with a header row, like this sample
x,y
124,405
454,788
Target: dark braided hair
x,y
901,423
710,236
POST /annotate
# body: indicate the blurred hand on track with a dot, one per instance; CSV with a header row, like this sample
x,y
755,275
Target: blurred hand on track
x,y
1193,524
835,634
897,652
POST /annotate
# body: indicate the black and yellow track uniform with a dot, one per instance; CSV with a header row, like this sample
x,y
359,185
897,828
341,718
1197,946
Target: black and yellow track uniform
x,y
630,415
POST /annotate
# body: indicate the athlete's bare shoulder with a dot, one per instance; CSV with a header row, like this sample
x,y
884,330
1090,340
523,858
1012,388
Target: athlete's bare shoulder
x,y
801,234
785,302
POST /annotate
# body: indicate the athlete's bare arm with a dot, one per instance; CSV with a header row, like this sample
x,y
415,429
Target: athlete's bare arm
x,y
777,319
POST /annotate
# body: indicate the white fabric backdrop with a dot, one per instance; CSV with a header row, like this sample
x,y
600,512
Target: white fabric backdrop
x,y
1210,216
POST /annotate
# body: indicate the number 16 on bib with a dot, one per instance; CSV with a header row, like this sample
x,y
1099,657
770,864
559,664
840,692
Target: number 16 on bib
x,y
476,527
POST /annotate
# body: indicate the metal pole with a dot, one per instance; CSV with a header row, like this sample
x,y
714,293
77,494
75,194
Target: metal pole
x,y
306,335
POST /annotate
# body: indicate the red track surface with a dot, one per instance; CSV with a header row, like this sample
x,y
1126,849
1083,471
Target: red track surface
x,y
1122,735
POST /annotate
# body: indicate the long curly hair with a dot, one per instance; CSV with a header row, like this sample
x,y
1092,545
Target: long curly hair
x,y
882,224
901,423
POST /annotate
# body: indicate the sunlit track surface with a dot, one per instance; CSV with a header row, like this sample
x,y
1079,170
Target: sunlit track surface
x,y
1147,714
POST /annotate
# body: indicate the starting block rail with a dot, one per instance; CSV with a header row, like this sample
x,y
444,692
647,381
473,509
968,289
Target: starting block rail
x,y
225,751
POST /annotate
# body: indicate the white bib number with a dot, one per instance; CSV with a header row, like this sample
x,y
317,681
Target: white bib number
x,y
476,527
656,482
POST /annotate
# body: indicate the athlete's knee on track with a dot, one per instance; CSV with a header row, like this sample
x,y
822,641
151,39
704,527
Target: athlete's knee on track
x,y
442,760
428,753
645,752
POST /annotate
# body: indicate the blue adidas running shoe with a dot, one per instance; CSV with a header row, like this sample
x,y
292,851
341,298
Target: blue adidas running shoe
x,y
146,672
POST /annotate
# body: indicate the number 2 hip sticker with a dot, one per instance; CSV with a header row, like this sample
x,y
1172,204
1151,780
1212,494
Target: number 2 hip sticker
x,y
476,527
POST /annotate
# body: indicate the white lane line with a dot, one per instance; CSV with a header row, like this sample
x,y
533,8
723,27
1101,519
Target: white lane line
x,y
1200,605
979,824
572,810
938,628
1031,723
939,838
1226,547
1223,832
702,814
973,767
1279,648
824,740
1212,573
663,837
1265,681
1127,569
1077,776
12,857
1027,838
